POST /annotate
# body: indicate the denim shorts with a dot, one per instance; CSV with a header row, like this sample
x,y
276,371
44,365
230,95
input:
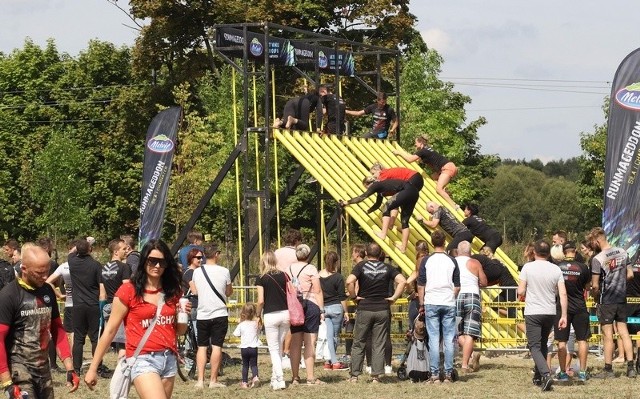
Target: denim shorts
x,y
162,363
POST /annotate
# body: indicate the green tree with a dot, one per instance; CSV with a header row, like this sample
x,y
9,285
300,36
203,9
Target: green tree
x,y
59,187
432,107
592,165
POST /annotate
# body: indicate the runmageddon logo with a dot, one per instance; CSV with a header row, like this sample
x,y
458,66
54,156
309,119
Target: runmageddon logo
x,y
627,165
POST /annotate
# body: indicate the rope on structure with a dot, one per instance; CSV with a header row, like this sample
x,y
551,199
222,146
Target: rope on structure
x,y
257,154
275,157
237,177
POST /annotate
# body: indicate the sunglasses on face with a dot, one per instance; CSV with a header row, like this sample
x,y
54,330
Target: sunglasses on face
x,y
161,262
198,257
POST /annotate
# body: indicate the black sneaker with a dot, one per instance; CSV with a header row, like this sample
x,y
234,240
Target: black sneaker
x,y
604,374
537,381
105,372
546,383
631,372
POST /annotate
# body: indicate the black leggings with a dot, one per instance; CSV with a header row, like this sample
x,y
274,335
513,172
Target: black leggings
x,y
249,359
86,321
302,114
406,199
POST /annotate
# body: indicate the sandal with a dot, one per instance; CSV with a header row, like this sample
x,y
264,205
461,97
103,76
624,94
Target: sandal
x,y
375,380
315,382
295,381
353,379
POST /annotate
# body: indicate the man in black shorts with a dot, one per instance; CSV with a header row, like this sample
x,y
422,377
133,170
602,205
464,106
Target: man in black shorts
x,y
633,307
609,273
29,318
479,227
577,278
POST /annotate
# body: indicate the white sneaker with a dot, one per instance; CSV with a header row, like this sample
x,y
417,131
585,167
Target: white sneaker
x,y
388,370
367,370
278,384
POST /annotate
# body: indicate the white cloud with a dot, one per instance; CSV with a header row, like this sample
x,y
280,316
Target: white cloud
x,y
437,39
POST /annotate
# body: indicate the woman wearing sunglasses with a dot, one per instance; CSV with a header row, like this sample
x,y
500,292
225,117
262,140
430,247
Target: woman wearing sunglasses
x,y
154,370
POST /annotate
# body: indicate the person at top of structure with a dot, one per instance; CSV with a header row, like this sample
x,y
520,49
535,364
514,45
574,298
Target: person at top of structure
x,y
335,108
297,111
385,121
443,169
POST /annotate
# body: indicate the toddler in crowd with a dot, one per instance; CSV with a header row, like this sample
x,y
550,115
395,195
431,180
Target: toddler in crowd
x,y
248,330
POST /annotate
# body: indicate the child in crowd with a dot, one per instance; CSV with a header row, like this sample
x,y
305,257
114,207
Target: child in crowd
x,y
248,330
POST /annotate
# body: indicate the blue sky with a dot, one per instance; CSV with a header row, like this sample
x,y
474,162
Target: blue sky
x,y
538,71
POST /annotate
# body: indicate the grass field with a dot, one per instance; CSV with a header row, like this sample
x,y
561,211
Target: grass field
x,y
504,376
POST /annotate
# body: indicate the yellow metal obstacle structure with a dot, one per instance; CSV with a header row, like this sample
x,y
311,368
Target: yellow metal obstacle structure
x,y
340,163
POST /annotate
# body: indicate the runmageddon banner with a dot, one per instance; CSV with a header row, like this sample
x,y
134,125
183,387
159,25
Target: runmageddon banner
x,y
621,214
286,52
159,148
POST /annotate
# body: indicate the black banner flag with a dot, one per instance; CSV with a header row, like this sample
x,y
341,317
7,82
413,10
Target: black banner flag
x,y
621,191
159,148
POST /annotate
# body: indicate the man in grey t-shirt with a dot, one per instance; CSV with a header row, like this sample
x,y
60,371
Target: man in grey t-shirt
x,y
540,281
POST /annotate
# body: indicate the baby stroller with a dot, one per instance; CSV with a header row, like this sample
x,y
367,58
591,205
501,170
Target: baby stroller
x,y
415,360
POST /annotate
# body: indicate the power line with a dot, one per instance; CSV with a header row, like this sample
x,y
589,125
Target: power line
x,y
534,108
74,121
530,88
54,104
69,89
529,80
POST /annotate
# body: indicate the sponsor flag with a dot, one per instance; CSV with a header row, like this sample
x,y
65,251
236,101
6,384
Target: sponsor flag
x,y
159,148
621,186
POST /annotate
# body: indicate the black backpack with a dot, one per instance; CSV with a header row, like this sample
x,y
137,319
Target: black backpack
x,y
7,273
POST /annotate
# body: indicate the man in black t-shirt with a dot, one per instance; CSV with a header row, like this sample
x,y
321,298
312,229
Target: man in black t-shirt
x,y
86,277
577,278
385,122
114,274
440,216
373,278
29,319
335,109
479,227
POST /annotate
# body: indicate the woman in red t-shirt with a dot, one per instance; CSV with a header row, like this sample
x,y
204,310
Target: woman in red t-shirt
x,y
154,371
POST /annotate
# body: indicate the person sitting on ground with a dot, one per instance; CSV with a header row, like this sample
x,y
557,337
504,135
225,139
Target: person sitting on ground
x,y
385,121
443,169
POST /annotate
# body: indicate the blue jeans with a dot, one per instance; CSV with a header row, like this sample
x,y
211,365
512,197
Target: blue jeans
x,y
333,318
437,316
